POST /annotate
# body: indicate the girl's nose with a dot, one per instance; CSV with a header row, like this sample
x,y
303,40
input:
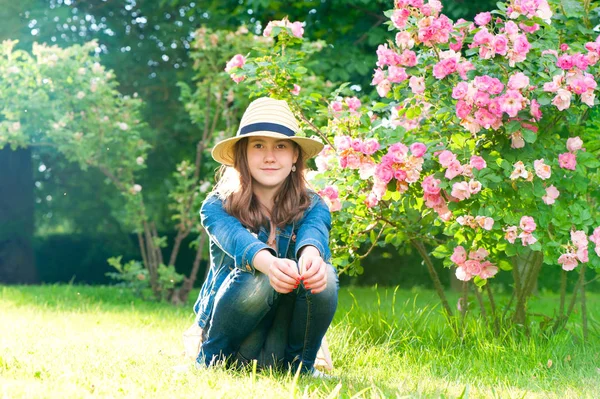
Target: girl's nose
x,y
269,155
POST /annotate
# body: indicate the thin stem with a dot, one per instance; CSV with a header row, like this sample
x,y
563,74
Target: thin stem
x,y
563,293
480,300
493,308
433,274
584,319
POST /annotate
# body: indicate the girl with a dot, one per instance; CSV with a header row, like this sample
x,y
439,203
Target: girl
x,y
271,292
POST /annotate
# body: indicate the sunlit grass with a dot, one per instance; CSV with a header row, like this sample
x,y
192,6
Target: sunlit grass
x,y
72,341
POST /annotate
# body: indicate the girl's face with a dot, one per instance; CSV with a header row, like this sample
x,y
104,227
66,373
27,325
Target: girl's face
x,y
270,160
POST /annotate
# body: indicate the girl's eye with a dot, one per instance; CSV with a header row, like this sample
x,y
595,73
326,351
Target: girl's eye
x,y
257,145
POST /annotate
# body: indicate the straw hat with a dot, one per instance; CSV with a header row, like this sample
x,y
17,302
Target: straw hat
x,y
266,117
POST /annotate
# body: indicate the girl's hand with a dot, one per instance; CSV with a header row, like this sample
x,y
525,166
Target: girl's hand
x,y
313,272
283,275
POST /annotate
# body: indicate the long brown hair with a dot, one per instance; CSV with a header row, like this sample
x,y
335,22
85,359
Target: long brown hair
x,y
234,187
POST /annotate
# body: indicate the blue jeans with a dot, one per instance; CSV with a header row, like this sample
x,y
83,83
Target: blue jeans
x,y
250,320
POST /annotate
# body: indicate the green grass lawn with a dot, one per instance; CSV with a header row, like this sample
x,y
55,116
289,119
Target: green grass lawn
x,y
80,342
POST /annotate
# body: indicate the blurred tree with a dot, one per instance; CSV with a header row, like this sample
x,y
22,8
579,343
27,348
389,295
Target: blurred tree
x,y
147,44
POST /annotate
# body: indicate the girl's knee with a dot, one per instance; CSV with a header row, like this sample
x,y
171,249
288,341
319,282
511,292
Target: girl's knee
x,y
331,290
256,291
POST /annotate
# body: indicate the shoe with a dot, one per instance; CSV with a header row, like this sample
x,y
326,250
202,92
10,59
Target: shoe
x,y
319,374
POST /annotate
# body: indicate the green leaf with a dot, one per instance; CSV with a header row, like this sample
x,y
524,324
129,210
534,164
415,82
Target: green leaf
x,y
505,265
513,126
588,160
572,8
441,252
529,135
511,250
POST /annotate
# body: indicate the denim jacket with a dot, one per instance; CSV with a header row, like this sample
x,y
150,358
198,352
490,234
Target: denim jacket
x,y
234,246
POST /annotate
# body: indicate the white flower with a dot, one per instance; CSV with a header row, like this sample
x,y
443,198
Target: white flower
x,y
204,187
136,188
15,127
96,68
139,160
123,125
80,95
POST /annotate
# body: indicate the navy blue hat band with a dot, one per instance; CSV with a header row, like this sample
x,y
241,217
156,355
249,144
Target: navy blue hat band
x,y
269,127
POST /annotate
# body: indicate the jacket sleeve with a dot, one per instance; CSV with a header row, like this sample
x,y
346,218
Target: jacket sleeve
x,y
230,235
314,227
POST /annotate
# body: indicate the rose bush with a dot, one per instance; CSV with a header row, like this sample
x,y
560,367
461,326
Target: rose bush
x,y
481,145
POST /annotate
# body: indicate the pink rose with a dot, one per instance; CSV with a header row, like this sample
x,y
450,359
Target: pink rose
x,y
579,238
396,74
342,142
463,109
378,76
535,111
516,140
237,78
519,171
446,157
400,174
383,88
486,223
336,106
459,256
500,44
518,81
237,61
460,91
296,90
527,224
527,239
385,173
542,170
472,267
297,29
595,238
510,234
512,102
417,84
418,149
370,146
478,162
371,200
408,58
479,255
551,195
568,261
462,275
460,191
565,62
454,169
474,186
562,100
404,40
488,270
483,18
330,192
353,103
398,152
431,185
567,160
574,144
357,145
582,254
444,68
